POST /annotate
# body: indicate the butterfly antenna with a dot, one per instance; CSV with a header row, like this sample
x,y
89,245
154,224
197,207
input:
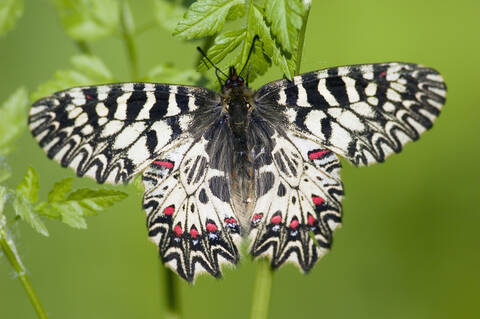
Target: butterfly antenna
x,y
213,64
255,38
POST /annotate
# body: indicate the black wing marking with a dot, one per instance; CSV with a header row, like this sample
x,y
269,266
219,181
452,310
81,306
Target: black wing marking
x,y
111,132
362,112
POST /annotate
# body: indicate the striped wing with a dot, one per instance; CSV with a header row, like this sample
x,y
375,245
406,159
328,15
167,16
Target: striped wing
x,y
298,200
189,208
362,112
111,132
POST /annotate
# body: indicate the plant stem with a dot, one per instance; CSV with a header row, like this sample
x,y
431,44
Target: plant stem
x,y
307,5
262,289
127,34
172,295
8,248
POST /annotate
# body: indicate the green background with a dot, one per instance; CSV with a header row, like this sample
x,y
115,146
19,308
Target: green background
x,y
409,246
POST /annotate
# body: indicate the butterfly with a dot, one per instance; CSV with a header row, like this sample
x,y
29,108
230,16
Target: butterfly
x,y
220,168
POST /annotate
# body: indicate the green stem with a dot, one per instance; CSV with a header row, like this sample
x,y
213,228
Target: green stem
x,y
301,38
262,289
172,295
127,34
8,248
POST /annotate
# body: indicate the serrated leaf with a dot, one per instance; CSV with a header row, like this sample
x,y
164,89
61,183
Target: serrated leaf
x,y
236,11
285,19
10,12
87,20
287,65
232,47
13,118
205,17
166,73
93,201
87,70
29,186
60,190
77,205
24,209
168,13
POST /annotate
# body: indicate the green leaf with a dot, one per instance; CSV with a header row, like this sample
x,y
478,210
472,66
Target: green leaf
x,y
13,119
285,19
167,73
60,190
287,65
26,212
81,203
232,47
93,201
168,13
236,11
87,70
29,186
92,67
205,17
10,12
87,20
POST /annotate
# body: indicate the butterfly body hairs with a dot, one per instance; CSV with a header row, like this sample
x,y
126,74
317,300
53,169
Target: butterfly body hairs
x,y
219,168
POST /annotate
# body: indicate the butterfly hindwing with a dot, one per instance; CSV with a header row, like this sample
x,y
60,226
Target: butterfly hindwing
x,y
298,194
362,112
111,132
189,211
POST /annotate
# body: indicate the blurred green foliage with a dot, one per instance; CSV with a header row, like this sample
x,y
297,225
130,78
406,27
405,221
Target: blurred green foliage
x,y
409,247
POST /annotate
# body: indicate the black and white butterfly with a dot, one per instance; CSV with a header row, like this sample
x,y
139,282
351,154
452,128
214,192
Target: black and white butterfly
x,y
222,167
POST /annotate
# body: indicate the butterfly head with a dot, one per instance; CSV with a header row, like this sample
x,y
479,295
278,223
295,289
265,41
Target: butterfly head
x,y
233,80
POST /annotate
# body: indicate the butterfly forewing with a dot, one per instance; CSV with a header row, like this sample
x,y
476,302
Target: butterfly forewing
x,y
362,112
111,132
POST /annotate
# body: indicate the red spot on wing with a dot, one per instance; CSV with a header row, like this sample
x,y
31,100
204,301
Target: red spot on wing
x,y
382,74
178,230
257,216
230,220
317,154
294,224
317,200
311,220
276,219
169,210
211,227
194,232
165,164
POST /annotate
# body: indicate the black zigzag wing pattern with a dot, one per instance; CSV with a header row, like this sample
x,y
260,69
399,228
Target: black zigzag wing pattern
x,y
362,112
111,132
298,200
190,215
